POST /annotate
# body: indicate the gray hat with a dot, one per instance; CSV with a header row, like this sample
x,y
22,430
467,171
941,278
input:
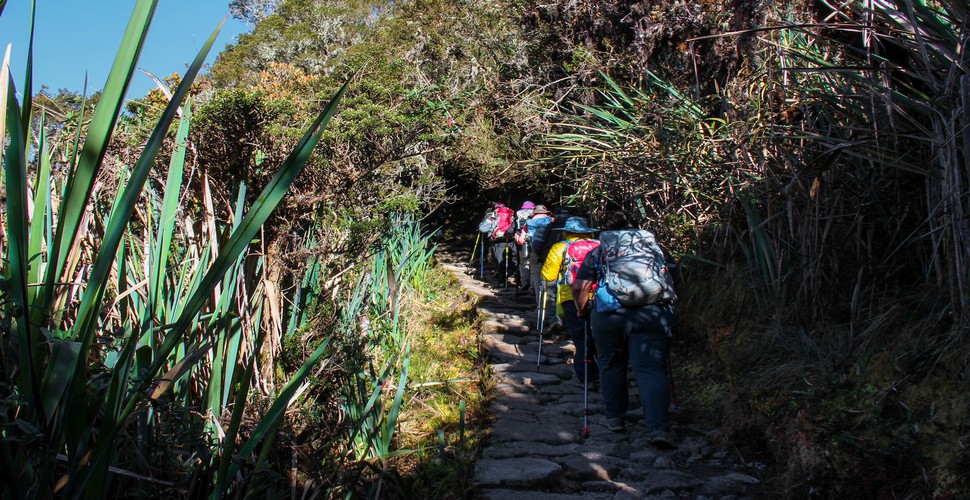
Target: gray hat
x,y
541,209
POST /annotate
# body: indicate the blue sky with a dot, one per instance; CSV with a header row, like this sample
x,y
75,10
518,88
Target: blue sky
x,y
77,36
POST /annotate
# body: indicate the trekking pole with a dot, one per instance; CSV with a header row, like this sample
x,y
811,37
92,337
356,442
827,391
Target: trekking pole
x,y
586,379
542,319
481,275
475,248
506,253
538,310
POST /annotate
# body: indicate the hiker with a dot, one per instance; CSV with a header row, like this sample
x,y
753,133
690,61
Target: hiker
x,y
535,235
498,226
522,216
555,233
637,334
559,267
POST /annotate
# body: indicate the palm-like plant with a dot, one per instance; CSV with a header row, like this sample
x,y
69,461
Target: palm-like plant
x,y
833,172
827,119
59,436
654,151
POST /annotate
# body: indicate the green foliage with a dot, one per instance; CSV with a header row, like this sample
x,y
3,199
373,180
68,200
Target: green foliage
x,y
652,140
789,168
798,190
404,204
308,35
230,131
253,11
443,423
417,94
78,397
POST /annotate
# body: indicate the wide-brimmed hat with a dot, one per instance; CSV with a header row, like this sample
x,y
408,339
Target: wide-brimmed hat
x,y
527,205
577,225
541,209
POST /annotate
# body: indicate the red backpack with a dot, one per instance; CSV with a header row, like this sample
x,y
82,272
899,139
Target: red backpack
x,y
506,220
572,258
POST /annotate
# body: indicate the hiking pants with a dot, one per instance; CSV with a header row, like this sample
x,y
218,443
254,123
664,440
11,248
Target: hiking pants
x,y
535,275
525,261
499,251
577,333
639,336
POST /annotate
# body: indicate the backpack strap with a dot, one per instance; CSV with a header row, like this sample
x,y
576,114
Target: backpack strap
x,y
562,262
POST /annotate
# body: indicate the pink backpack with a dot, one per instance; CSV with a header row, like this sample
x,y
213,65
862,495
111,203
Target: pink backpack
x,y
572,258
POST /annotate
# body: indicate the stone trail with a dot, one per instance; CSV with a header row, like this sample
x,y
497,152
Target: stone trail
x,y
536,449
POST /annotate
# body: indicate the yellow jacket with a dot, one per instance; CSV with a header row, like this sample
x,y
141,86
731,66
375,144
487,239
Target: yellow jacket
x,y
552,267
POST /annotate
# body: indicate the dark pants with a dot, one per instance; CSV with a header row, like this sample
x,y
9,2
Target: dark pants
x,y
505,263
577,333
639,337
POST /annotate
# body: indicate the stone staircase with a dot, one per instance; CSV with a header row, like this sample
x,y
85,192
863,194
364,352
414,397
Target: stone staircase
x,y
541,446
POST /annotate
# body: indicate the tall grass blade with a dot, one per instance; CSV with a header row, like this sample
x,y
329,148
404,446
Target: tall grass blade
x,y
62,359
85,327
81,180
4,84
229,329
121,301
244,380
166,219
242,236
273,415
176,372
15,167
76,146
390,424
29,69
40,223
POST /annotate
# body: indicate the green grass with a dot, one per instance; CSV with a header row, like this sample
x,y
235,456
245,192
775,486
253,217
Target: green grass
x,y
446,415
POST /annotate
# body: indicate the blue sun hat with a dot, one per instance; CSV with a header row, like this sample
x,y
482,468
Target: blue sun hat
x,y
576,224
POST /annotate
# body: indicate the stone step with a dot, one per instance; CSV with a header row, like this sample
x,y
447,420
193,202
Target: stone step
x,y
547,442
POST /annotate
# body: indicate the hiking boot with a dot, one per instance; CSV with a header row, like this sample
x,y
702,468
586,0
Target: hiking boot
x,y
661,439
613,424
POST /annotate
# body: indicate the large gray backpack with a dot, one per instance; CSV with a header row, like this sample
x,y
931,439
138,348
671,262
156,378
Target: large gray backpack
x,y
489,223
633,268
